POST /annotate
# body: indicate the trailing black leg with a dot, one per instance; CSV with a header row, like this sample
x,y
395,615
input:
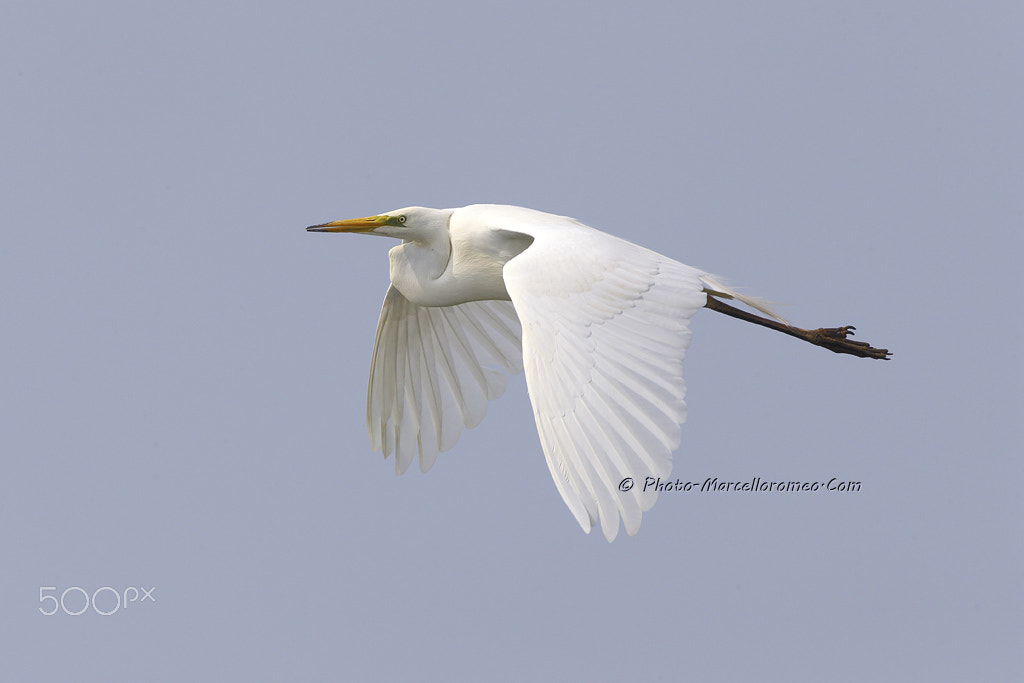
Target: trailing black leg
x,y
834,339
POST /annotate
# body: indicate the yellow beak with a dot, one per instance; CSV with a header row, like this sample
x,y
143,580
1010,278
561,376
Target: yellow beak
x,y
350,225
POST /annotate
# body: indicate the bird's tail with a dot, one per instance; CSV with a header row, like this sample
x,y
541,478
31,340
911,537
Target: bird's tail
x,y
715,287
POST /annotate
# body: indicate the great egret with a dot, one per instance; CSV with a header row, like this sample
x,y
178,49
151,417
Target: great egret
x,y
599,324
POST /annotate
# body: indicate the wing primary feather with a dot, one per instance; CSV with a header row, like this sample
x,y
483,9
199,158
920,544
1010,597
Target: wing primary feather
x,y
562,477
420,373
407,437
374,416
597,475
435,404
611,467
580,478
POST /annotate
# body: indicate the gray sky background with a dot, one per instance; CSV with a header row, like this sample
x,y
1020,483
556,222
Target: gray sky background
x,y
184,368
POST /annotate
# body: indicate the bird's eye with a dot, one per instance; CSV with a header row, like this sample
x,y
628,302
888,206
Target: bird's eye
x,y
401,220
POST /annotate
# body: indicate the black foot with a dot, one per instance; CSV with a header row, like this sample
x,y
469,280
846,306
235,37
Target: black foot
x,y
836,339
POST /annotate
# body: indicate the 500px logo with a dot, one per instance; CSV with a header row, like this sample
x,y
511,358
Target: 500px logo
x,y
104,600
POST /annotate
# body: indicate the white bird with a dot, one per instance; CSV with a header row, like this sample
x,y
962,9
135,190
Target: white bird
x,y
599,324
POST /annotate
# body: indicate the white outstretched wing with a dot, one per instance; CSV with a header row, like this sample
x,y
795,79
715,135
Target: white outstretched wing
x,y
604,330
433,372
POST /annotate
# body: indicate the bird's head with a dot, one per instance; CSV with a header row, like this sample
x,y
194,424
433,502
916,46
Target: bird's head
x,y
412,224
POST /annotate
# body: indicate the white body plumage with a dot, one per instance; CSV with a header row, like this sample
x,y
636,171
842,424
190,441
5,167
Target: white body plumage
x,y
600,326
